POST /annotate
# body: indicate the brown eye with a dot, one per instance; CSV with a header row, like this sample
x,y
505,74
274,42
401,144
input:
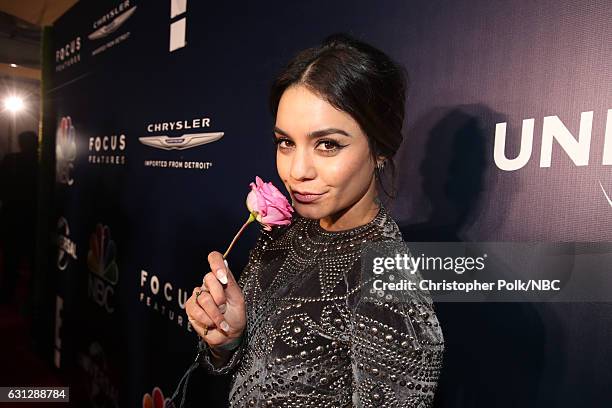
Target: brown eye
x,y
329,145
283,143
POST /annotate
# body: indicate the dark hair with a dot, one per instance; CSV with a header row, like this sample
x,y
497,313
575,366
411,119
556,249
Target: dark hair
x,y
358,79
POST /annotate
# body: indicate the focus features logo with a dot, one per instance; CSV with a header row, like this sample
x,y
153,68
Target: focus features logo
x,y
163,297
107,149
68,54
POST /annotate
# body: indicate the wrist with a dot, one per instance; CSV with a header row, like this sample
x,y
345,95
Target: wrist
x,y
229,346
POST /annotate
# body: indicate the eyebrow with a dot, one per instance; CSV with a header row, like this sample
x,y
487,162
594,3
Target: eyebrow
x,y
316,133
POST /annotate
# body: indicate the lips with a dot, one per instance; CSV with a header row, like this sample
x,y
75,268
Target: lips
x,y
306,196
305,193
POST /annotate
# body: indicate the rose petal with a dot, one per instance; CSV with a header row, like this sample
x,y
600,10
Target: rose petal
x,y
251,201
283,209
273,216
262,206
269,204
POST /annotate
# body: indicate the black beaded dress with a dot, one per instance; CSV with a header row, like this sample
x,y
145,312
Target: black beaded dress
x,y
311,340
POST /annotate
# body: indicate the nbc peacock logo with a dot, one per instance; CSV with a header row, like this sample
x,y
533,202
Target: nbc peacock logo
x,y
101,255
156,400
103,271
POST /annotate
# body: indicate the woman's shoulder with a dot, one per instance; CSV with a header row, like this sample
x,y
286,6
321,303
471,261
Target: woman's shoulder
x,y
382,239
388,228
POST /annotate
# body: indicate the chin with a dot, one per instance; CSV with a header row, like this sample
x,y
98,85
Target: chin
x,y
308,211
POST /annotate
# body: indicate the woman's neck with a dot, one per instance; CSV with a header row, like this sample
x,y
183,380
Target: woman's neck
x,y
360,213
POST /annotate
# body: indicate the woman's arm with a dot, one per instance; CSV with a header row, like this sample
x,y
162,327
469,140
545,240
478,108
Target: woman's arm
x,y
220,357
396,345
217,360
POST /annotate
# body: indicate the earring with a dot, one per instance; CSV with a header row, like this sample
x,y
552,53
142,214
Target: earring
x,y
380,165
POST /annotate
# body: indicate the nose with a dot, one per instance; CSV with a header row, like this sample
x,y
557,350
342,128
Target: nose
x,y
302,165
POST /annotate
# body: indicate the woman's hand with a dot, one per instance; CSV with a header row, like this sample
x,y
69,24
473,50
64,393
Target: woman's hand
x,y
218,314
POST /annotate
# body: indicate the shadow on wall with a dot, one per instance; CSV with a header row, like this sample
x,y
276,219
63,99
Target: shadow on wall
x,y
494,351
452,170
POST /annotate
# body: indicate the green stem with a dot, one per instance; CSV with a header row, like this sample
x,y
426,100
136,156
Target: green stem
x,y
248,221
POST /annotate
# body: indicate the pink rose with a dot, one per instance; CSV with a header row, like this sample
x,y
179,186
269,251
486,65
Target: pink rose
x,y
269,206
266,205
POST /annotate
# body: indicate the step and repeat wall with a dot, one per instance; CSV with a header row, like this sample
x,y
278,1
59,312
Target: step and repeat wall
x,y
161,121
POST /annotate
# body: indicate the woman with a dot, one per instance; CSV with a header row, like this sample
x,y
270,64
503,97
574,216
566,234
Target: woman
x,y
295,329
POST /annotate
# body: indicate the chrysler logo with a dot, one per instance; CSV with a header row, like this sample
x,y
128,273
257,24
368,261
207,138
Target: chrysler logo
x,y
182,142
112,26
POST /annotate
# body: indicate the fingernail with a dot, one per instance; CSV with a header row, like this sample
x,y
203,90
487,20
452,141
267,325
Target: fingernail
x,y
225,261
221,276
224,326
222,308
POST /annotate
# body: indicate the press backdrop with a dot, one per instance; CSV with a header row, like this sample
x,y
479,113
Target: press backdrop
x,y
133,89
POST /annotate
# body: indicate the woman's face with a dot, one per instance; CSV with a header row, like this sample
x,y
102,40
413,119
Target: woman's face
x,y
322,156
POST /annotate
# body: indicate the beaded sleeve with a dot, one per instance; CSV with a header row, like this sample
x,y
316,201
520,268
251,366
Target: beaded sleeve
x,y
205,356
396,346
